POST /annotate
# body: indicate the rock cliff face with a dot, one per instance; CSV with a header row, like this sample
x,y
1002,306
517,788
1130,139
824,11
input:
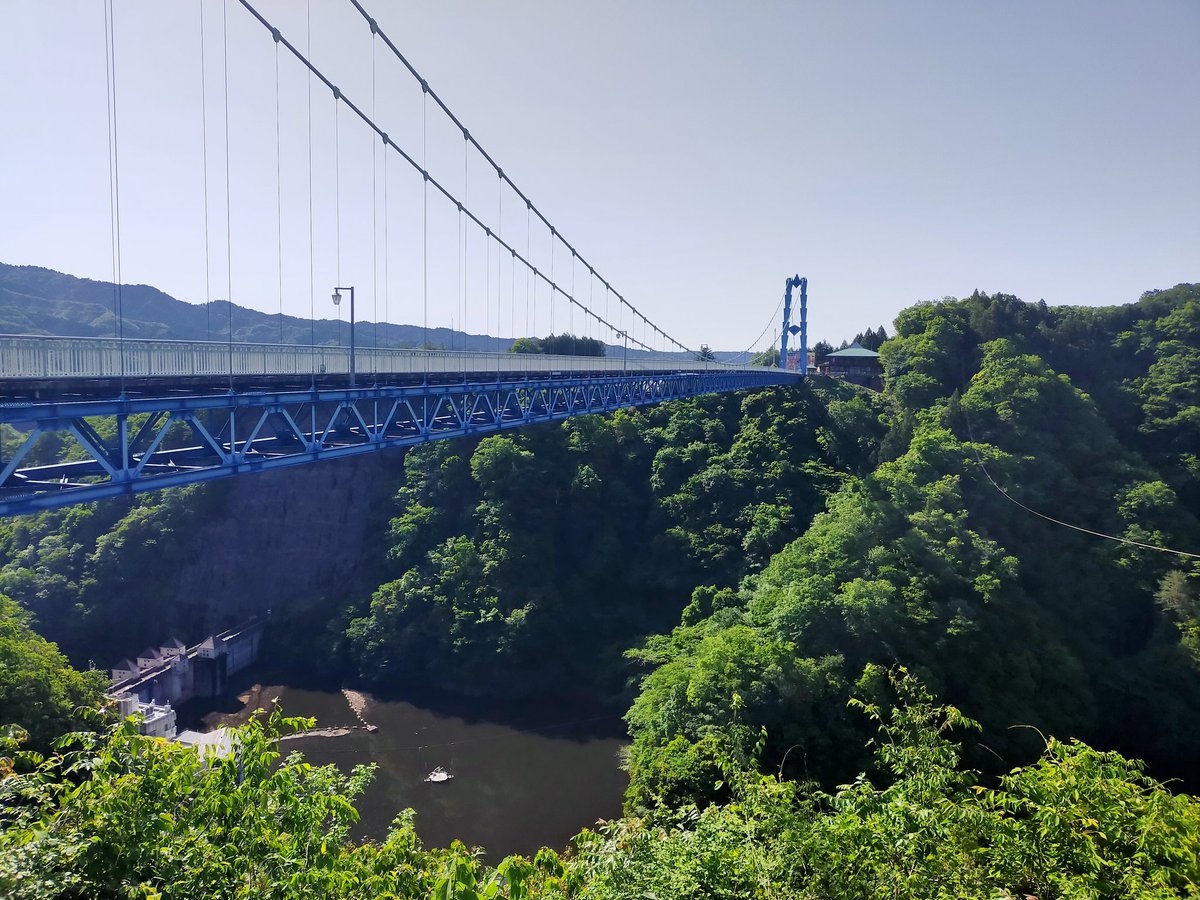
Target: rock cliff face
x,y
289,539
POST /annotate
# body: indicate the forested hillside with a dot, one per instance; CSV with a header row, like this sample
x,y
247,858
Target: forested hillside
x,y
549,551
775,578
925,562
584,536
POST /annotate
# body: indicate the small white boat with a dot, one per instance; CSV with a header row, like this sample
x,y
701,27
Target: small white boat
x,y
438,775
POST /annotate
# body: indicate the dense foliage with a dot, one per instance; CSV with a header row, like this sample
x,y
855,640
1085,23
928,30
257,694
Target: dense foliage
x,y
872,338
767,556
1076,823
923,561
39,691
591,534
96,577
560,345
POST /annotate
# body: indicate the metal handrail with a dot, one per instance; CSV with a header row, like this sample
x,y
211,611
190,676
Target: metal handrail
x,y
53,357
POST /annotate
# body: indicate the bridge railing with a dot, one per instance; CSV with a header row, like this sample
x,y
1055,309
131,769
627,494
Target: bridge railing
x,y
44,357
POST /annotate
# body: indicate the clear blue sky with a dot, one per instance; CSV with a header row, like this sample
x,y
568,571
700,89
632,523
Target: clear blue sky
x,y
695,152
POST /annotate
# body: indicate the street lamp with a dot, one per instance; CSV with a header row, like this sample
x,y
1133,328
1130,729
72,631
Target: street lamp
x,y
337,301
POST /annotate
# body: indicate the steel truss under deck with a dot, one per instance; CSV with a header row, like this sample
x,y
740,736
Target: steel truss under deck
x,y
129,445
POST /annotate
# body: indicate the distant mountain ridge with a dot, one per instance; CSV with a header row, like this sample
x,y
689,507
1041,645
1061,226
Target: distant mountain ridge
x,y
36,300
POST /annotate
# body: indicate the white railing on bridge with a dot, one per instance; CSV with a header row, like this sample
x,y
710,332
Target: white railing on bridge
x,y
43,357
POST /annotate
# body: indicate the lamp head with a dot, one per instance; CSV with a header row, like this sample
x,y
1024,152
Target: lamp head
x,y
337,298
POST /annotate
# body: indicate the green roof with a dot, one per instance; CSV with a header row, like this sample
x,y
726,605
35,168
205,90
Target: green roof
x,y
855,349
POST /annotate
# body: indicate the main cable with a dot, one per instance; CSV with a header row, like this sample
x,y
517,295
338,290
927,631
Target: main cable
x,y
374,25
430,180
770,321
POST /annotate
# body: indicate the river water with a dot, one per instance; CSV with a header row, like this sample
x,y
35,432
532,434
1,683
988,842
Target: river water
x,y
516,787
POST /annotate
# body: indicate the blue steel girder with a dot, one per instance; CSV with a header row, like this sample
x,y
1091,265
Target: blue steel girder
x,y
266,430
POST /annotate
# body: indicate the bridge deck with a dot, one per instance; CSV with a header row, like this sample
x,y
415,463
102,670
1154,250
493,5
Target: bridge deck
x,y
177,424
35,367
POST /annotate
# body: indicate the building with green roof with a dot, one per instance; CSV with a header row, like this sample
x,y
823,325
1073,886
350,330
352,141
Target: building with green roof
x,y
854,363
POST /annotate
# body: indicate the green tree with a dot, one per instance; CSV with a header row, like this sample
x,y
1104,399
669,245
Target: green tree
x,y
39,691
122,815
821,349
526,345
1076,823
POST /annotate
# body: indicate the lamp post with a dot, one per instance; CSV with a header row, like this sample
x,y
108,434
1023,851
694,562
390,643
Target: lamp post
x,y
337,301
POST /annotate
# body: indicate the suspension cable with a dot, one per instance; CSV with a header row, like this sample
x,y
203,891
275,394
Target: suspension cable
x,y
424,220
228,192
466,246
606,307
114,180
528,279
386,244
337,190
337,212
312,292
455,120
499,258
278,196
204,154
621,333
460,306
487,284
374,223
423,170
770,322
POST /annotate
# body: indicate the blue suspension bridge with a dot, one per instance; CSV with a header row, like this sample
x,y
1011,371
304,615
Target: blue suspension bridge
x,y
128,415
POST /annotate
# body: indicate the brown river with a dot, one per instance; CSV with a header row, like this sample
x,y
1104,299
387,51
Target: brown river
x,y
532,778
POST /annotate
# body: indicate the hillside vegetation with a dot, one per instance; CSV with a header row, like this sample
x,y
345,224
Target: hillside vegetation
x,y
806,534
1075,823
800,587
